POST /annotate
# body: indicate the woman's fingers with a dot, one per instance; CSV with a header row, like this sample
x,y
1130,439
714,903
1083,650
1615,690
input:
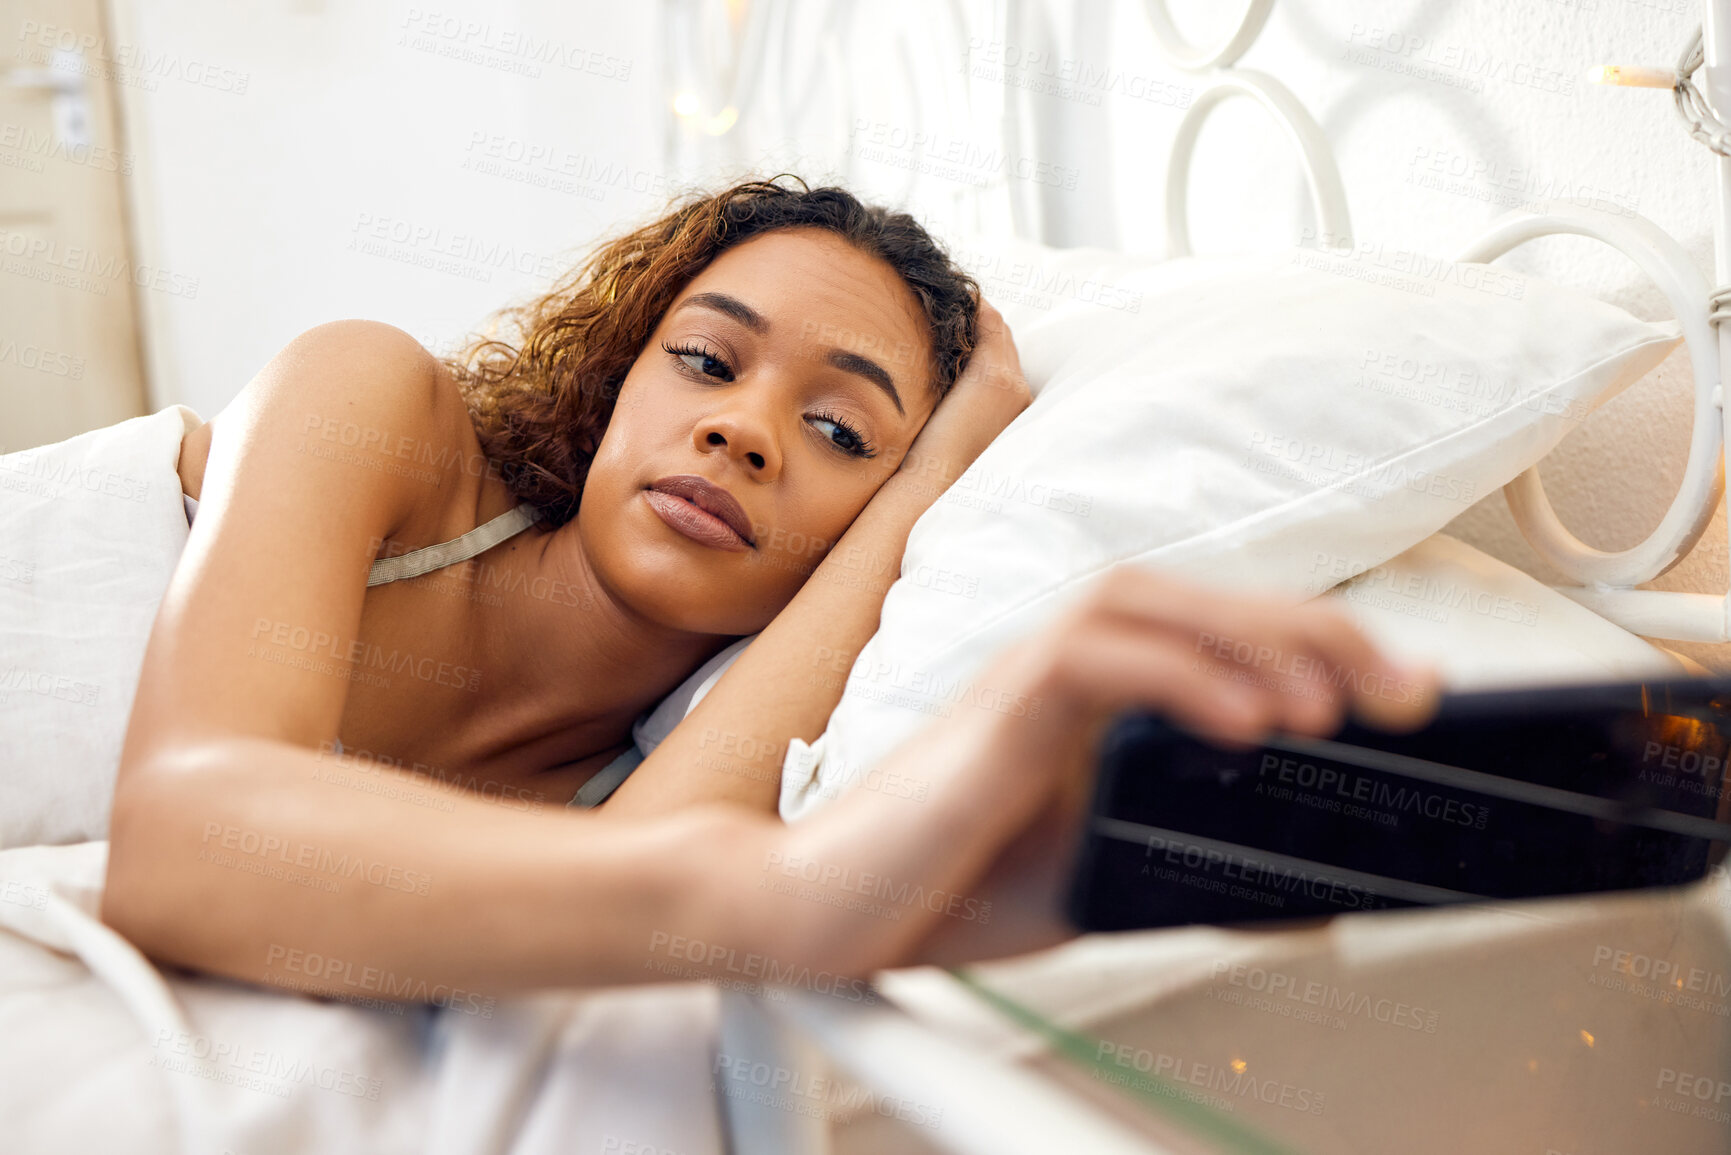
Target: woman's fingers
x,y
991,324
1279,666
1385,692
995,331
995,360
988,395
1112,667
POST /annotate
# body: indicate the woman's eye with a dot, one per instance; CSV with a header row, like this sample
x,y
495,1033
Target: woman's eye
x,y
851,441
707,365
701,361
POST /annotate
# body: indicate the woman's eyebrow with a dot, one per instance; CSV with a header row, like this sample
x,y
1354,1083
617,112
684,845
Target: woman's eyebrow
x,y
733,307
870,370
757,323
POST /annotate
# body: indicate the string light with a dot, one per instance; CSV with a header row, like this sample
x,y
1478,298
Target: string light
x,y
1704,125
1632,76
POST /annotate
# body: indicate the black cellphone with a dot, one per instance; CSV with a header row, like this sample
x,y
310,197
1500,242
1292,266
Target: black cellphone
x,y
1504,794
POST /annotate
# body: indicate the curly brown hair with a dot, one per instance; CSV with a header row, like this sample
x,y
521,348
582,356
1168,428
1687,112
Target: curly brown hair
x,y
541,395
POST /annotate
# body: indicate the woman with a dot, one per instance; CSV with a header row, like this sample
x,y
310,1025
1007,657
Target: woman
x,y
726,422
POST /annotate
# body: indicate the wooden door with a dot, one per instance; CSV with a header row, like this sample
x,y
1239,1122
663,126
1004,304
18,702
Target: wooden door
x,y
69,345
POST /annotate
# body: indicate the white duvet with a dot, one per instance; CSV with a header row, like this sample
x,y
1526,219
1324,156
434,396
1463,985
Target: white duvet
x,y
102,1051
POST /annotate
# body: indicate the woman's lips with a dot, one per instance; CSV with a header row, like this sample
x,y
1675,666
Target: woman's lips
x,y
710,498
700,526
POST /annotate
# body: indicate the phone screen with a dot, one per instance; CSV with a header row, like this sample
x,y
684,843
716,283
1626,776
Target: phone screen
x,y
1504,794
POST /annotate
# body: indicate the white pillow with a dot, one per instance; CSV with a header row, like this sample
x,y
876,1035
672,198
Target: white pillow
x,y
1226,419
90,529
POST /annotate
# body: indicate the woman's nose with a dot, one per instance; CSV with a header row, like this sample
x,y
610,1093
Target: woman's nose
x,y
744,429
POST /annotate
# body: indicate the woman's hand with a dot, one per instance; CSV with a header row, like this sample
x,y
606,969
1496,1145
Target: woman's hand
x,y
986,397
1007,791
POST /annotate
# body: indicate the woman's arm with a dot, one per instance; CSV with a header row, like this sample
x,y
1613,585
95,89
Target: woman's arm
x,y
785,685
517,901
250,858
256,859
975,868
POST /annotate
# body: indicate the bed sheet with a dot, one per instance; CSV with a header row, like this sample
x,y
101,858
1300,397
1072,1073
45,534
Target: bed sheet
x,y
100,1050
1484,623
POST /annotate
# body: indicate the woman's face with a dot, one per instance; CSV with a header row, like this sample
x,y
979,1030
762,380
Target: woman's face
x,y
793,373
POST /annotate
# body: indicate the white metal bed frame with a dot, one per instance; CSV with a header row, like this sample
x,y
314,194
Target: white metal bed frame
x,y
890,1052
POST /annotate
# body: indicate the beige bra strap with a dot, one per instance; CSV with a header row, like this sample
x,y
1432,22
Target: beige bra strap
x,y
432,557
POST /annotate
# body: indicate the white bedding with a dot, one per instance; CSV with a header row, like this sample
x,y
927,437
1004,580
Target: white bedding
x,y
1484,623
100,1051
93,1034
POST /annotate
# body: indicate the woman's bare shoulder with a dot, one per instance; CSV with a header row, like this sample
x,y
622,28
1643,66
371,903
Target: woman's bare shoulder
x,y
410,405
306,476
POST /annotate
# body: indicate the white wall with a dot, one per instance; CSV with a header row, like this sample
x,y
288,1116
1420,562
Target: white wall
x,y
365,170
